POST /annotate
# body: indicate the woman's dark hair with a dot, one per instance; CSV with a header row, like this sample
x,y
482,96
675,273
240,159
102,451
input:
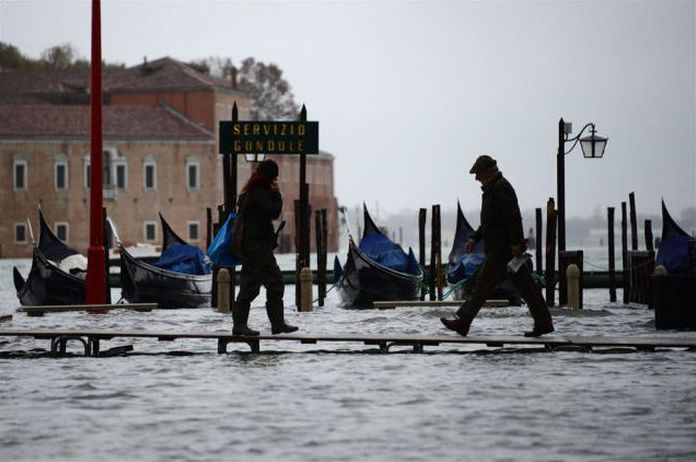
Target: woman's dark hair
x,y
265,173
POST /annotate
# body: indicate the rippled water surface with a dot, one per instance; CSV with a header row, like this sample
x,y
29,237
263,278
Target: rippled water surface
x,y
182,401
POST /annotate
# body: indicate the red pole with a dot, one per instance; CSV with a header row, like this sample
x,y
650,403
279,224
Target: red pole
x,y
96,274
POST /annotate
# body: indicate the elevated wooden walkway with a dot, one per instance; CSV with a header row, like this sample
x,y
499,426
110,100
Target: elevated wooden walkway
x,y
40,310
493,303
91,339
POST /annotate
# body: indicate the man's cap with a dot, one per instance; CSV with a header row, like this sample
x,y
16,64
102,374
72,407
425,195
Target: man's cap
x,y
269,169
482,164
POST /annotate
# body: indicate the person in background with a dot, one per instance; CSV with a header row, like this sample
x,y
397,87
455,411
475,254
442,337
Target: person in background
x,y
259,204
503,239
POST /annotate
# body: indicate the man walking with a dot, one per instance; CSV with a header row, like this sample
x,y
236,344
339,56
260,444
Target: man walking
x,y
503,239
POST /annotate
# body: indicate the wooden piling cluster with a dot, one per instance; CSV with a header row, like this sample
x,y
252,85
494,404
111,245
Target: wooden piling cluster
x,y
434,274
436,279
637,265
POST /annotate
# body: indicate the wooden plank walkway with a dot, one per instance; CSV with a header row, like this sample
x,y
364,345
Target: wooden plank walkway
x,y
91,340
390,305
40,310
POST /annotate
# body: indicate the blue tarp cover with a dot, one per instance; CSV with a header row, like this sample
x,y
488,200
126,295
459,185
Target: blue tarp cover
x,y
673,253
466,267
382,250
184,259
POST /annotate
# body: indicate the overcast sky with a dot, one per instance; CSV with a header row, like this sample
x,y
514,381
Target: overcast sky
x,y
408,93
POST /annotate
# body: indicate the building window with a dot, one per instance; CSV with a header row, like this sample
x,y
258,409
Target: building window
x,y
120,175
19,169
20,233
150,175
60,174
193,231
62,231
192,174
150,231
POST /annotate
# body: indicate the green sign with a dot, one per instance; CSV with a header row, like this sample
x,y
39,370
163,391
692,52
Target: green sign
x,y
244,137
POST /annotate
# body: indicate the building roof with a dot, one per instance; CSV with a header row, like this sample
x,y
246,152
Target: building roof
x,y
22,86
164,74
51,121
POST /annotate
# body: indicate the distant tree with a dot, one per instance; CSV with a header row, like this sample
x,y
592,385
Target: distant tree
x,y
63,56
272,98
213,65
271,94
11,57
60,56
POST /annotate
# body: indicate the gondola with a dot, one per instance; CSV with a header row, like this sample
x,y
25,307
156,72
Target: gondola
x,y
674,294
142,282
677,250
462,266
376,269
47,283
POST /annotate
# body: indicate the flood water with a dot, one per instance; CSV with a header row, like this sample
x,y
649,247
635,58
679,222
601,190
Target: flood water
x,y
182,401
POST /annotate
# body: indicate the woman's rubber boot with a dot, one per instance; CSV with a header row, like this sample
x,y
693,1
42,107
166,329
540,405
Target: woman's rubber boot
x,y
276,314
240,315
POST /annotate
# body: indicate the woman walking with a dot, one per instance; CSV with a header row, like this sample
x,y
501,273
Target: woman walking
x,y
259,204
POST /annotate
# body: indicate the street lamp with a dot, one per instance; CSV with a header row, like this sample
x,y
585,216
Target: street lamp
x,y
592,148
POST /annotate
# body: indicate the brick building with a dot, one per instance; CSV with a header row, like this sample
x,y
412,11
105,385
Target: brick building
x,y
160,155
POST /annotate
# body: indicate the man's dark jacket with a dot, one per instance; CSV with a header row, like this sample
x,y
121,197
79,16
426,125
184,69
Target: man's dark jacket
x,y
259,207
501,222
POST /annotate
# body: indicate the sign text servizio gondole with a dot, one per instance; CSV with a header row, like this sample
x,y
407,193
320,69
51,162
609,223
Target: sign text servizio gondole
x,y
269,137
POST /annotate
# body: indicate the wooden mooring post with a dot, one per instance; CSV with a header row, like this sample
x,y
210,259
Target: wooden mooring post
x,y
624,251
634,221
305,213
421,241
550,252
649,243
321,235
610,240
435,255
298,254
539,241
107,242
223,281
208,226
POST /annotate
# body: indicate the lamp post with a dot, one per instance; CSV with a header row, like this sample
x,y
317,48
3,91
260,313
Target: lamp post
x,y
592,148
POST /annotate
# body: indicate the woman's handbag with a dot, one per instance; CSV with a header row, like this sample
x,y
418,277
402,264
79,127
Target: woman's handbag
x,y
219,249
237,231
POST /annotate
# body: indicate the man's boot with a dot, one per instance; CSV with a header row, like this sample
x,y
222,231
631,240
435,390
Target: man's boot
x,y
543,324
276,314
240,315
461,324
